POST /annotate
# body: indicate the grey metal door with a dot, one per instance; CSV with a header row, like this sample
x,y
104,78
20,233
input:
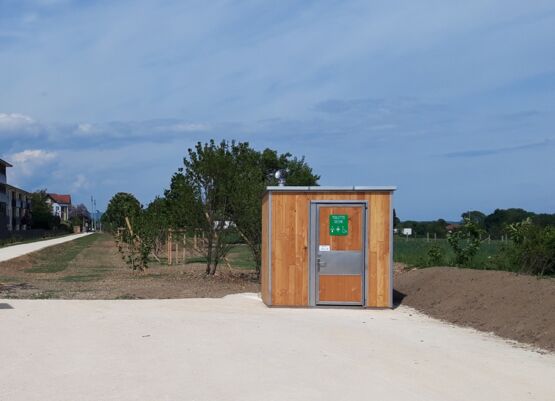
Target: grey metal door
x,y
338,236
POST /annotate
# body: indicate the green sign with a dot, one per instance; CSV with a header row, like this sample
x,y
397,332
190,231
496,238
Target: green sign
x,y
339,224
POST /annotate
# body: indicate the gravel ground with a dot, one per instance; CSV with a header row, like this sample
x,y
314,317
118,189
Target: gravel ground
x,y
235,348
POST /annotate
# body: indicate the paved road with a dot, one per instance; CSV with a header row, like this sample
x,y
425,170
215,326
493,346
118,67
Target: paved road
x,y
14,251
237,349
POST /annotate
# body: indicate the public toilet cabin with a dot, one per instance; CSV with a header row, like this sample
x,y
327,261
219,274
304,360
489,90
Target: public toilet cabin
x,y
327,246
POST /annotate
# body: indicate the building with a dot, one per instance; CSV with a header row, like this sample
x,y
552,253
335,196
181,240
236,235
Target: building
x,y
327,246
3,195
19,209
60,204
15,204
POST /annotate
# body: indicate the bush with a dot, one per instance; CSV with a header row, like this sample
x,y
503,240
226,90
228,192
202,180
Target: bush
x,y
532,250
465,242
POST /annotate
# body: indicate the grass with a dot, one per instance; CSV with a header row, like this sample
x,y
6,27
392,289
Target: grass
x,y
18,241
414,252
58,258
240,257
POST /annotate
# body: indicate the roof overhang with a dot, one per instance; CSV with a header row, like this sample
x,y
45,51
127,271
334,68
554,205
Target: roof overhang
x,y
331,189
5,163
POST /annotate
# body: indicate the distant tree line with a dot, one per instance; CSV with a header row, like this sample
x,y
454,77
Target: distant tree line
x,y
494,225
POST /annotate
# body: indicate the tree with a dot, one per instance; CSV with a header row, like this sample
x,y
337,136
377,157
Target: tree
x,y
253,172
208,176
465,242
41,212
396,220
476,216
152,225
120,206
496,222
223,184
79,214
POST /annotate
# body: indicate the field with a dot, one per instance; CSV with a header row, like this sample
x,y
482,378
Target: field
x,y
91,268
414,252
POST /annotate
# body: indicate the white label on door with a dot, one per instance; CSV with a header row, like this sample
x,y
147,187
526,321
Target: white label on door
x,y
324,248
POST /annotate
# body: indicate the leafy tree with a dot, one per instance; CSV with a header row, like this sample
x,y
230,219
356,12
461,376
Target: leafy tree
x,y
78,214
208,172
41,212
120,206
533,248
152,226
223,183
396,220
544,219
477,217
496,222
465,242
184,209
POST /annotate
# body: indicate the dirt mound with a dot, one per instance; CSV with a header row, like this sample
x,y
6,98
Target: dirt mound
x,y
517,307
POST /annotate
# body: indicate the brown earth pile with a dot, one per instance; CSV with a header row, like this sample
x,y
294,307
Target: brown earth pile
x,y
516,307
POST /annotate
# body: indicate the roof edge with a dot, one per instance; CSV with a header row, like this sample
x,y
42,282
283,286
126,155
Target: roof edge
x,y
5,163
331,189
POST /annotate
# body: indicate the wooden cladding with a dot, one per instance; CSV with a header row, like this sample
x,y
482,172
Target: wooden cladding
x,y
285,246
340,288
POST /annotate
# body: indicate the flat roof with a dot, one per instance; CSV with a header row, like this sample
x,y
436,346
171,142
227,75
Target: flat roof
x,y
331,189
5,163
8,186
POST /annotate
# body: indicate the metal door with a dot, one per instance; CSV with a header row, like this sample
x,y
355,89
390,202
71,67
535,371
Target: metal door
x,y
338,236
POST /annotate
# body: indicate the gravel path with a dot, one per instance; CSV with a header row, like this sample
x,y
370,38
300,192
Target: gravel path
x,y
14,251
235,348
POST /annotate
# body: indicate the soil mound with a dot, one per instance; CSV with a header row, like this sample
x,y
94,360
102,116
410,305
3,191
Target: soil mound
x,y
516,307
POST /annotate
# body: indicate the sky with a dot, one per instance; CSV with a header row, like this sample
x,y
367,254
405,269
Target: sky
x,y
452,102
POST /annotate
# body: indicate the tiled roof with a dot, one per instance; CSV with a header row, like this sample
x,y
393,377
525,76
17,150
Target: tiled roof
x,y
62,199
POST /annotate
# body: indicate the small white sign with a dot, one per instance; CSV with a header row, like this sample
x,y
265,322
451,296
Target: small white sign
x,y
324,248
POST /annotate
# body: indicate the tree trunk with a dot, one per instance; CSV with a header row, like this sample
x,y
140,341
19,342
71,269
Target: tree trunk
x,y
210,245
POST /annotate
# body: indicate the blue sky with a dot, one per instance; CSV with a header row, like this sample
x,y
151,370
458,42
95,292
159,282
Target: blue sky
x,y
453,102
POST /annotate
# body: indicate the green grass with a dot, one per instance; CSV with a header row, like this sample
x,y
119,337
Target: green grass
x,y
414,252
19,241
58,258
196,259
240,257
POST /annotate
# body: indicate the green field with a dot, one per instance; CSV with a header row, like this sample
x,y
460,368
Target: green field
x,y
415,252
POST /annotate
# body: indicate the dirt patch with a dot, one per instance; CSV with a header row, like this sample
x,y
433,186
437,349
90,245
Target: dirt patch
x,y
95,270
516,307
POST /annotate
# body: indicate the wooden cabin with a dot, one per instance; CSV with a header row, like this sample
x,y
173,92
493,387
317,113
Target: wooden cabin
x,y
327,246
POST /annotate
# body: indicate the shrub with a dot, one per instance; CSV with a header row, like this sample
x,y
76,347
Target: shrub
x,y
465,242
435,256
532,250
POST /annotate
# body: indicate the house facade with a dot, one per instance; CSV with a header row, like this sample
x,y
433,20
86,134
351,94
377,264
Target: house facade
x,y
19,209
15,204
3,195
60,205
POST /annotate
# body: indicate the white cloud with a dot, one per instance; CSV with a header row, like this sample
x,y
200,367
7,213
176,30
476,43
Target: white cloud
x,y
79,183
28,161
85,128
15,121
